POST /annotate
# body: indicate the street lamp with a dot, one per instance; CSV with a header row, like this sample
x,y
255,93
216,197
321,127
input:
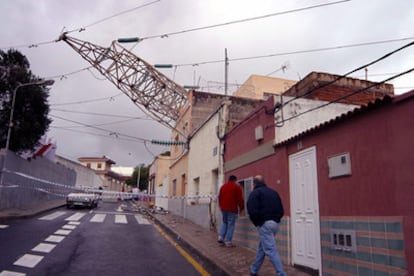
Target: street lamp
x,y
139,174
41,82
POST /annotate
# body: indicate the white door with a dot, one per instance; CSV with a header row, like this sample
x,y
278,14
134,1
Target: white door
x,y
305,209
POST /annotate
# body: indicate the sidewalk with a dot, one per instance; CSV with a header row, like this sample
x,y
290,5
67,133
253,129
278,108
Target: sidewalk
x,y
231,261
31,210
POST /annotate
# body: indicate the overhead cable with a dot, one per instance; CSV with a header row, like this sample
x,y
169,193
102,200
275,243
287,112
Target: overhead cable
x,y
349,95
96,134
183,31
101,114
101,129
112,16
351,72
88,101
299,51
34,45
242,20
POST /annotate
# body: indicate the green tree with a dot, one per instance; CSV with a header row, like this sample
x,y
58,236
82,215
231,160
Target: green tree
x,y
143,173
30,116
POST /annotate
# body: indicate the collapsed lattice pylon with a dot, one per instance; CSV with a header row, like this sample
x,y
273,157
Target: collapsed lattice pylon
x,y
154,93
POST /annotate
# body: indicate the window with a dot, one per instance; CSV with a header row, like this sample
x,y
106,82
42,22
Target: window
x,y
183,184
214,176
196,183
88,165
343,240
215,151
247,187
99,165
174,188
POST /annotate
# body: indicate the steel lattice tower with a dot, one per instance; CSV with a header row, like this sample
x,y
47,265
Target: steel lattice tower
x,y
154,93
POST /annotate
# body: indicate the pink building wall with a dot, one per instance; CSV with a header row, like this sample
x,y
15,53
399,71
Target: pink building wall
x,y
379,141
379,191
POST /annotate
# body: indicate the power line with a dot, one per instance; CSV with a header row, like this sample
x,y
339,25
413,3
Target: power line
x,y
64,76
350,72
299,51
100,114
89,101
338,47
242,20
34,45
117,134
97,134
182,31
103,124
349,95
112,16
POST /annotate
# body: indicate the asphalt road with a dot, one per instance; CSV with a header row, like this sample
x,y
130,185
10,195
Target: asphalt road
x,y
109,240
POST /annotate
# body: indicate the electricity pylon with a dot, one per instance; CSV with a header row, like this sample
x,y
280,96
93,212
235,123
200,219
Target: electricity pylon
x,y
154,93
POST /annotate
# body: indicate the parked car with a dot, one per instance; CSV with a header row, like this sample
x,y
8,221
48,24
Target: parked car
x,y
89,200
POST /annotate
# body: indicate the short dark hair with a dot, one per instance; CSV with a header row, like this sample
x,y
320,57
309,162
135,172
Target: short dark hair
x,y
232,178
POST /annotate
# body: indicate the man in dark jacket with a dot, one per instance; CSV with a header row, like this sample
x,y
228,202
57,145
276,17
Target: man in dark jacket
x,y
265,210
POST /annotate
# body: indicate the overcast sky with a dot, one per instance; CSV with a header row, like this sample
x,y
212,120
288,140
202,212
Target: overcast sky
x,y
80,100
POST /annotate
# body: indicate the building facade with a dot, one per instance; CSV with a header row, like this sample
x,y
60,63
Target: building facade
x,y
344,183
112,181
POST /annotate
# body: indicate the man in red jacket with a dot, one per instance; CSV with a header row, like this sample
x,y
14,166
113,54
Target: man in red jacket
x,y
231,202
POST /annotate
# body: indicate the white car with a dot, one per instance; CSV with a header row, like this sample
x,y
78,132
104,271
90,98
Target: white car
x,y
89,200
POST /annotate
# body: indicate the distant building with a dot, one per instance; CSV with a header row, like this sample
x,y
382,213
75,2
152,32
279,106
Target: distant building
x,y
85,177
260,87
158,180
102,167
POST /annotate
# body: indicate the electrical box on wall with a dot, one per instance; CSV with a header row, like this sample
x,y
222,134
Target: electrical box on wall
x,y
258,131
339,165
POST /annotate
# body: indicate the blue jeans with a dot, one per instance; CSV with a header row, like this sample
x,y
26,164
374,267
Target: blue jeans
x,y
227,228
267,247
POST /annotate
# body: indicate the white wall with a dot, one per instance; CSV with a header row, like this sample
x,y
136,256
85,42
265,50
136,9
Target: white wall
x,y
307,120
203,160
161,192
85,177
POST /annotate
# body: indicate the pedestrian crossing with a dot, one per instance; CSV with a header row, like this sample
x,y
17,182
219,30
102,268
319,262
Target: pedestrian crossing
x,y
74,219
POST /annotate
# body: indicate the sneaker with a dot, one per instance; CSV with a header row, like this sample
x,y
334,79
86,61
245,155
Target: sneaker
x,y
220,241
228,244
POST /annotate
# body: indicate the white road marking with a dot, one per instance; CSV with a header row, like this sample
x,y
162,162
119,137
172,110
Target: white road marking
x,y
28,260
3,226
54,238
141,219
114,213
75,217
53,215
98,218
11,273
68,226
62,232
120,219
44,247
74,222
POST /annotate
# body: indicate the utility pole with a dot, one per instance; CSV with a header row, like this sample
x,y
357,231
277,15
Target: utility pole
x,y
226,71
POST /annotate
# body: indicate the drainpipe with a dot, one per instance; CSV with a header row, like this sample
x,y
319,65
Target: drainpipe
x,y
223,119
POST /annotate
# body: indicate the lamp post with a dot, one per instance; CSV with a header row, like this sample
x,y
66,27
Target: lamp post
x,y
139,174
42,82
